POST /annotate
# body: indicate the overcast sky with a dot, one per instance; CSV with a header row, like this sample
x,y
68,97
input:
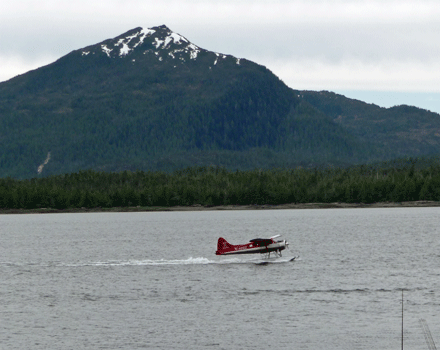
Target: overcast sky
x,y
385,52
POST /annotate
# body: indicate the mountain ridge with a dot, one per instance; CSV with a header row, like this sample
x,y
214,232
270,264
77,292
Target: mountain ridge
x,y
149,99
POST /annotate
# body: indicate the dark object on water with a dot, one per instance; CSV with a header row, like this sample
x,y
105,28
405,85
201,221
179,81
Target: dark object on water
x,y
257,245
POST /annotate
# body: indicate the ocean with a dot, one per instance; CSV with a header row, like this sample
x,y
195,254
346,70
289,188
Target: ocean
x,y
151,280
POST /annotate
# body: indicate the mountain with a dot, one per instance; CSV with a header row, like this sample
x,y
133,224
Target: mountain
x,y
150,99
399,131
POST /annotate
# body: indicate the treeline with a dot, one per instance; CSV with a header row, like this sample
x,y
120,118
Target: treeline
x,y
405,180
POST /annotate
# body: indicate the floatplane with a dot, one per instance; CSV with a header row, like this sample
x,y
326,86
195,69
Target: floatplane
x,y
256,245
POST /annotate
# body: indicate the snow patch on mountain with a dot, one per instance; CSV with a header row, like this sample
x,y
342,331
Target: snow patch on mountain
x,y
175,38
162,42
106,50
137,39
194,51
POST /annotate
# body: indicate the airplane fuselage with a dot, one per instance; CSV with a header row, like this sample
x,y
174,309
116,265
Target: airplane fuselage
x,y
262,246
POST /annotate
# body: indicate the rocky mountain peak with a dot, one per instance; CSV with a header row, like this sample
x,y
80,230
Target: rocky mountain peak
x,y
160,42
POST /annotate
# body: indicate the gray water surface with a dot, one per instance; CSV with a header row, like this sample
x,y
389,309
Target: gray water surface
x,y
152,280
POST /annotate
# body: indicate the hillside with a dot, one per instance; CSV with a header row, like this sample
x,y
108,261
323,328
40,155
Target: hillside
x,y
400,131
150,99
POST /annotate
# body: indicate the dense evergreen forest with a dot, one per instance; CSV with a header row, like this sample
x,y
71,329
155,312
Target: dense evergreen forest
x,y
162,104
401,180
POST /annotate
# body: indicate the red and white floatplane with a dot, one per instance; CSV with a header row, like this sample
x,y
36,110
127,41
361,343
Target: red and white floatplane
x,y
256,245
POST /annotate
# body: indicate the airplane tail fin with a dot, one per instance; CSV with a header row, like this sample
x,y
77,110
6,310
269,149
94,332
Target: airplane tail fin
x,y
222,244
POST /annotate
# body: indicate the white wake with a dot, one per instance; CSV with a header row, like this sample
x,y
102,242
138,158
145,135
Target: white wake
x,y
189,261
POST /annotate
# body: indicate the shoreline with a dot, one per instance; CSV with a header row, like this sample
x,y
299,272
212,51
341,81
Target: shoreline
x,y
336,205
